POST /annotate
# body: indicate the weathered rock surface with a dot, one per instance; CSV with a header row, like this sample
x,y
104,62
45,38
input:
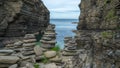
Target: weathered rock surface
x,y
98,34
9,59
56,59
48,40
6,52
51,65
38,50
50,54
14,66
21,17
99,14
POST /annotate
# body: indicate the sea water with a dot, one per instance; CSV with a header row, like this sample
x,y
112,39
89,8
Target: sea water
x,y
63,29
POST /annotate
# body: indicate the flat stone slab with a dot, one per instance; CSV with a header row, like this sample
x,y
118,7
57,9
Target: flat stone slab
x,y
50,33
28,53
29,40
9,59
29,44
70,50
69,54
19,43
46,38
29,36
50,36
6,51
49,42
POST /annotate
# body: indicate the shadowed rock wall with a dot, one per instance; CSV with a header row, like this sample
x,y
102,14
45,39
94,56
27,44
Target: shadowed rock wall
x,y
20,17
98,34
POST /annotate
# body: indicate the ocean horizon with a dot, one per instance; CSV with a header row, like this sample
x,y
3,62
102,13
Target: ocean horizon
x,y
63,29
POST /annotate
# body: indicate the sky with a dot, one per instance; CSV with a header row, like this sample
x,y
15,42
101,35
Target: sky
x,y
63,9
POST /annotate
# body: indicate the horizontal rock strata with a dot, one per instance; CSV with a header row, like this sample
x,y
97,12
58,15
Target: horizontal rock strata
x,y
21,17
98,34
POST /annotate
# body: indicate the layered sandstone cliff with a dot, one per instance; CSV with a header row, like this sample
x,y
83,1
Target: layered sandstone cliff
x,y
20,17
98,35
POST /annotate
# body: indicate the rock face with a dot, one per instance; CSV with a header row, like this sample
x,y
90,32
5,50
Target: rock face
x,y
99,14
98,34
18,17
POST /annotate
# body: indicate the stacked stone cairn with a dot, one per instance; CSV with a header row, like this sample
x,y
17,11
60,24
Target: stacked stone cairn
x,y
69,52
49,38
25,53
48,42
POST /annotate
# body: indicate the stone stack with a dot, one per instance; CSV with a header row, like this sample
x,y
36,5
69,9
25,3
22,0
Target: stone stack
x,y
16,53
25,52
7,59
15,45
69,52
29,44
70,47
48,40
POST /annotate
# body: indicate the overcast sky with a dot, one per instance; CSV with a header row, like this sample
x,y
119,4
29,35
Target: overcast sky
x,y
63,8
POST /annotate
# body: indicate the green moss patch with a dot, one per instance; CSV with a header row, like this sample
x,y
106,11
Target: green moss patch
x,y
36,65
107,34
56,48
111,15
